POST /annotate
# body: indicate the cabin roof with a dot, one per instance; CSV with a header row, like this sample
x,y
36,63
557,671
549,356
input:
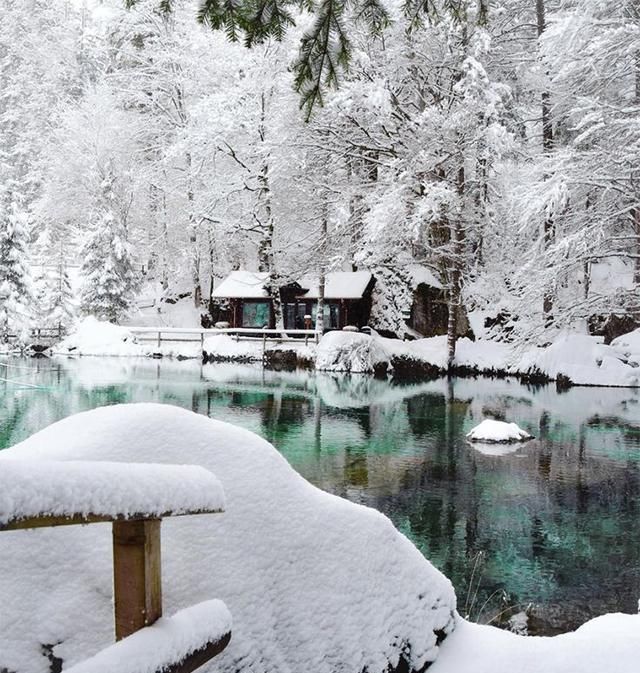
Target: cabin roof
x,y
338,285
242,284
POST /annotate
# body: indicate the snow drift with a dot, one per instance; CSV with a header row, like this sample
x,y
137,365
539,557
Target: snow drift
x,y
313,582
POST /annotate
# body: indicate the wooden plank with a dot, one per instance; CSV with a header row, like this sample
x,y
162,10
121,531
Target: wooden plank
x,y
47,520
199,657
137,585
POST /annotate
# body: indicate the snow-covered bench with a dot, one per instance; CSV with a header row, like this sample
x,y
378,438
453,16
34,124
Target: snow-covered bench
x,y
134,497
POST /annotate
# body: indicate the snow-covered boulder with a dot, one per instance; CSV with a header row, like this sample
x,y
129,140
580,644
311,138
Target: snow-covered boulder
x,y
497,432
351,352
313,582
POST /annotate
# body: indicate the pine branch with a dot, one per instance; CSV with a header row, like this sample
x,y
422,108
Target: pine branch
x,y
267,18
324,49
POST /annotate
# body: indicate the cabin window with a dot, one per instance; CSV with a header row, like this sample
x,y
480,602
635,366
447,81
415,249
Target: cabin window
x,y
331,315
255,314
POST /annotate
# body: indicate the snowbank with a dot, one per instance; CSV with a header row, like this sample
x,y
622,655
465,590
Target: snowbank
x,y
351,352
609,643
224,347
94,337
583,360
580,359
313,582
168,641
492,431
29,488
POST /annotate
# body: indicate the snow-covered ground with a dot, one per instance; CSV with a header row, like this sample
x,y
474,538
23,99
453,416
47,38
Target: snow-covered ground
x,y
313,582
577,358
610,644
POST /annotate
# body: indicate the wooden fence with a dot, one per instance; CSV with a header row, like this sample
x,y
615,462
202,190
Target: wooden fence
x,y
137,581
194,334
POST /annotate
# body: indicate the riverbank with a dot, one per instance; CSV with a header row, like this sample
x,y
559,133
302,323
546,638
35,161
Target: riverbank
x,y
570,359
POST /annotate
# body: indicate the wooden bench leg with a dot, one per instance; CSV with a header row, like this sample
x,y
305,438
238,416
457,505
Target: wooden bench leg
x,y
137,583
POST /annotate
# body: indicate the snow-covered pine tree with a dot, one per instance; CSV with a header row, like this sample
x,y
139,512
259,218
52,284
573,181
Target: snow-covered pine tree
x,y
58,302
15,286
109,279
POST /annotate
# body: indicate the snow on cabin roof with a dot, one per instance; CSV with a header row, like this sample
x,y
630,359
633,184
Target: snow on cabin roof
x,y
245,284
338,285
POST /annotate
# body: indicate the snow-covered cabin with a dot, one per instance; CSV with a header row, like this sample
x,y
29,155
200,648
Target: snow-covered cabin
x,y
247,303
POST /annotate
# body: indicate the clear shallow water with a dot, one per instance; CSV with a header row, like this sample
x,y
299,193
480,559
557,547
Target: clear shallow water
x,y
554,522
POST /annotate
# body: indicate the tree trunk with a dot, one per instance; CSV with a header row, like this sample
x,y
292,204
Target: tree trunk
x,y
455,276
266,256
193,238
323,269
547,147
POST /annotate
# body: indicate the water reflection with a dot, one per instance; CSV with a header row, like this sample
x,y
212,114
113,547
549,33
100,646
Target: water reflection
x,y
554,522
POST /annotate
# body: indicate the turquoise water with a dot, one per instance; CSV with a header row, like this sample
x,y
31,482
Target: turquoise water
x,y
554,523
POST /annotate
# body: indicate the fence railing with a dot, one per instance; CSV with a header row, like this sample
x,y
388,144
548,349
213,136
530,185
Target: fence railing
x,y
194,334
137,584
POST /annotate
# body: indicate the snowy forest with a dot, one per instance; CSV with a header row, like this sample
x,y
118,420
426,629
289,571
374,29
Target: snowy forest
x,y
493,143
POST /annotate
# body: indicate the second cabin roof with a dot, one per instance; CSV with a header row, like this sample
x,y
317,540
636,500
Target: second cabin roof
x,y
243,284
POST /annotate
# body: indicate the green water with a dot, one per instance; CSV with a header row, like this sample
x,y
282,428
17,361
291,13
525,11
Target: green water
x,y
555,523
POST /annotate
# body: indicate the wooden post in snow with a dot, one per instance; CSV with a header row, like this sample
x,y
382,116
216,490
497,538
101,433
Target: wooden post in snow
x,y
137,583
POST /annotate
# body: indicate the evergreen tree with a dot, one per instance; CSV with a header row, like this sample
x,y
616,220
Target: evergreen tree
x,y
15,287
109,280
58,301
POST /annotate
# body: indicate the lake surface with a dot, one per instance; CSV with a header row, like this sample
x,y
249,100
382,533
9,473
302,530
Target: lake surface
x,y
554,523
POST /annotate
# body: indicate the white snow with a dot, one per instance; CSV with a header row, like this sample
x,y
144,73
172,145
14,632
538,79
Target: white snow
x,y
313,582
584,360
337,285
241,283
29,488
607,644
350,352
168,641
95,337
491,430
423,275
226,347
101,338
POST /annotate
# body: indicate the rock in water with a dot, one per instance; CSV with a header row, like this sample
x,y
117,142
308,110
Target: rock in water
x,y
498,432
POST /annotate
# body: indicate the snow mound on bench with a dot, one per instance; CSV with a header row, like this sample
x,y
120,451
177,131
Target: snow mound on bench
x,y
491,431
314,582
30,488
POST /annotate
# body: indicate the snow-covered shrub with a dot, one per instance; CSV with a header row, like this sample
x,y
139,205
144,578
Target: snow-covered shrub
x,y
351,352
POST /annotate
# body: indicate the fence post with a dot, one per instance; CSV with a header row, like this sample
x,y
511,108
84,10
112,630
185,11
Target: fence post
x,y
159,338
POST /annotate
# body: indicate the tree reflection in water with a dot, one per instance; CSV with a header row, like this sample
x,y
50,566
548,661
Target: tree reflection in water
x,y
554,522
